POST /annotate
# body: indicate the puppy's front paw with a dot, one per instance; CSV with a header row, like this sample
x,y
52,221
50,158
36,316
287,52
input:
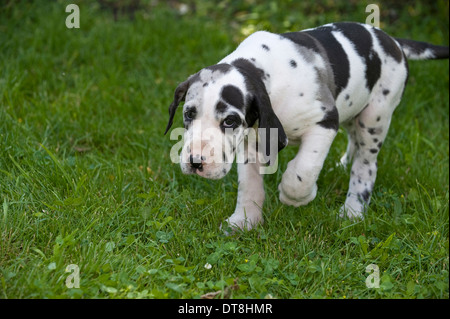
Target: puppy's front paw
x,y
245,219
296,197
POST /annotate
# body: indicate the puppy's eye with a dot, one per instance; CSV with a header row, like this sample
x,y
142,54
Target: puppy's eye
x,y
231,122
228,122
190,114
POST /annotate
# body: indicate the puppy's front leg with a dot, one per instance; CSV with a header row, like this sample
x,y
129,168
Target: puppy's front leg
x,y
298,184
250,199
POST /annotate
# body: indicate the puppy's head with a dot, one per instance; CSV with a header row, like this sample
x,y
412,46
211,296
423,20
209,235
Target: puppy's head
x,y
221,102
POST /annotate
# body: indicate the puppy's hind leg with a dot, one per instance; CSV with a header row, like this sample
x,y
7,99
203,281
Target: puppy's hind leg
x,y
371,127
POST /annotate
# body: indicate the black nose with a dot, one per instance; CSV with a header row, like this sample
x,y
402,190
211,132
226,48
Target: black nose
x,y
196,162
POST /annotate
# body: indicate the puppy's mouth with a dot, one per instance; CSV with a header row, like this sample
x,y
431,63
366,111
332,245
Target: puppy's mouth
x,y
208,172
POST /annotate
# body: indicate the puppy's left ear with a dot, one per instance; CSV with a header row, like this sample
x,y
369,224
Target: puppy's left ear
x,y
271,132
180,94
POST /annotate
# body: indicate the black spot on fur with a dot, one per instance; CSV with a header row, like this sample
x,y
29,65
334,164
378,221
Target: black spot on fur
x,y
361,124
365,195
299,178
347,97
386,92
373,150
293,63
205,84
378,118
331,119
221,107
265,47
246,161
232,95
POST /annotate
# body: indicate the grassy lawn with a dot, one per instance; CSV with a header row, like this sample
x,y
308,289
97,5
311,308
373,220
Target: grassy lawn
x,y
86,177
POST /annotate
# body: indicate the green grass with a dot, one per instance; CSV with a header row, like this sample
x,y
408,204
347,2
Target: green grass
x,y
86,178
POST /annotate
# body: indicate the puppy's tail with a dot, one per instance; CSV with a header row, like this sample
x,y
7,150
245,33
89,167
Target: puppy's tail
x,y
416,50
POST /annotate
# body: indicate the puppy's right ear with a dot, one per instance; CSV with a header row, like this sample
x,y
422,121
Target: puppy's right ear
x,y
180,94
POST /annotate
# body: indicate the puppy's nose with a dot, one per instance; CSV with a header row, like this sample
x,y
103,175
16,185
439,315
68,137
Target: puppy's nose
x,y
196,162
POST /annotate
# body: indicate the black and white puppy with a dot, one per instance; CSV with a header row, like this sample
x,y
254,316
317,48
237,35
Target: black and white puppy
x,y
304,85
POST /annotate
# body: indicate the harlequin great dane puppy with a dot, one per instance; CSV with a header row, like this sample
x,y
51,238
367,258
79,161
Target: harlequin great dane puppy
x,y
303,84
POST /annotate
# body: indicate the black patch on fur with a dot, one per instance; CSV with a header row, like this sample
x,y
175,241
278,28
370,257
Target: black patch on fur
x,y
365,195
336,55
265,47
293,63
221,107
330,120
386,92
388,44
299,178
302,39
259,107
373,150
232,95
222,67
362,41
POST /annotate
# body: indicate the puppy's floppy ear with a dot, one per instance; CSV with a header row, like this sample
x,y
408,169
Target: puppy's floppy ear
x,y
260,108
180,94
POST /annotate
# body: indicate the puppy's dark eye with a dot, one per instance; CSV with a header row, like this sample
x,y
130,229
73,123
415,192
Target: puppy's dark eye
x,y
231,121
228,122
190,114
